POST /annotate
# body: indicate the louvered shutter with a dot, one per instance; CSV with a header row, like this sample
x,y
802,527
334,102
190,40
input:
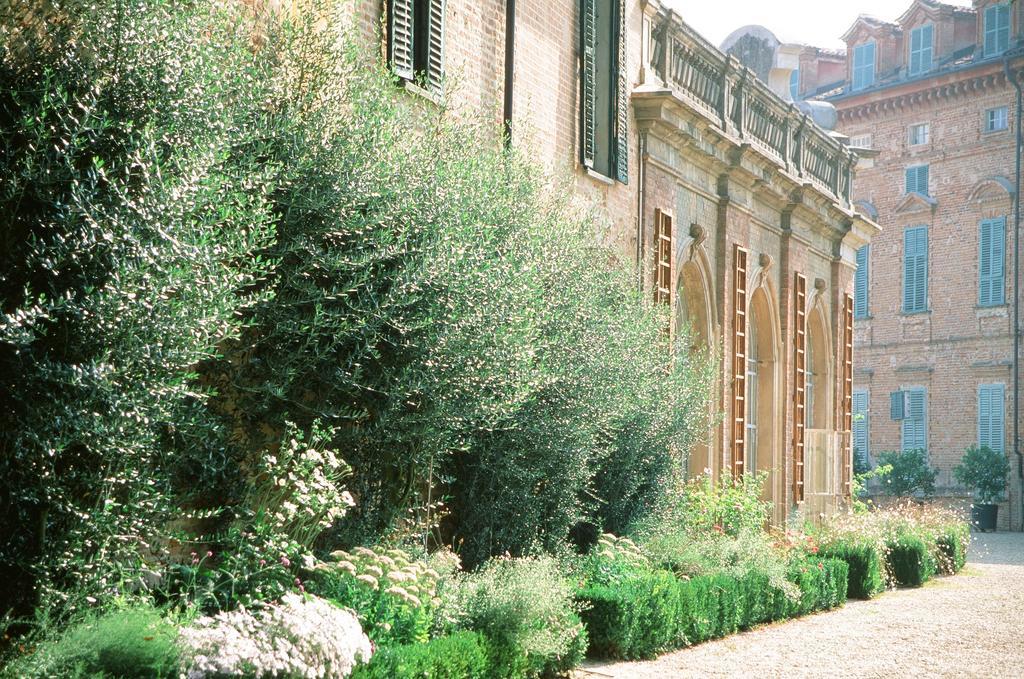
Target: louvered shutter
x,y
916,180
991,257
588,40
897,405
914,428
991,410
860,427
400,37
860,283
435,45
915,269
622,103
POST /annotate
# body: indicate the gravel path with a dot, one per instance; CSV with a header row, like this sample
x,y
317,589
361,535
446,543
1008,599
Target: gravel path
x,y
968,625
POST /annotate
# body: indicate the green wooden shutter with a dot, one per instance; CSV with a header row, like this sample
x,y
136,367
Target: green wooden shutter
x,y
916,180
435,46
915,269
860,283
588,39
914,424
991,411
622,103
897,405
991,257
400,37
860,426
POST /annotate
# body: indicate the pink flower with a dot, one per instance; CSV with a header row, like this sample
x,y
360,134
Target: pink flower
x,y
209,554
285,562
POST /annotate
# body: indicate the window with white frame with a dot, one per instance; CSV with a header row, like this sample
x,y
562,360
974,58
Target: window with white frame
x,y
921,50
919,134
863,66
997,119
860,141
997,29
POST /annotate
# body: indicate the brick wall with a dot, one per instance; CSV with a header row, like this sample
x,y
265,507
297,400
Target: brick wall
x,y
956,345
545,95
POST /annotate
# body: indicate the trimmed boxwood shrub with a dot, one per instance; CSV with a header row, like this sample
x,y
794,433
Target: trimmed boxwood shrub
x,y
822,583
910,561
952,550
865,568
638,618
656,612
462,655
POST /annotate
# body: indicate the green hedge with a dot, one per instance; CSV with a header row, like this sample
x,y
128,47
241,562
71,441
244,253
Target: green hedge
x,y
952,550
865,563
656,612
910,561
463,655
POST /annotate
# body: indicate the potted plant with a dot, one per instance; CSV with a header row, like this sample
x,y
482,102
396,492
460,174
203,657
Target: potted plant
x,y
984,471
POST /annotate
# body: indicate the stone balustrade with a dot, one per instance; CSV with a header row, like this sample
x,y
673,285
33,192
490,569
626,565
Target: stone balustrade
x,y
743,108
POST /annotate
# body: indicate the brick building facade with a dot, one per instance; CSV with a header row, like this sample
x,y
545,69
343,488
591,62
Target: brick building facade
x,y
736,208
929,93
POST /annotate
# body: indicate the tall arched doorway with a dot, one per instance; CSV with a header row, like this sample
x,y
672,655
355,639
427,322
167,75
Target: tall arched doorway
x,y
762,380
693,316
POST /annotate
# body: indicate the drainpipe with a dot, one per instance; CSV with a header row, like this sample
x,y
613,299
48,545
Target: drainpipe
x,y
510,67
1011,75
641,179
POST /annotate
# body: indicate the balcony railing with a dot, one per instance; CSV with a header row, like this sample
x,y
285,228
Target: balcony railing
x,y
731,97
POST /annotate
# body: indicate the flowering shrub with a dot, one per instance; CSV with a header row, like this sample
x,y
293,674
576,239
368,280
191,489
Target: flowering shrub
x,y
393,594
702,506
527,610
943,532
304,637
297,492
613,560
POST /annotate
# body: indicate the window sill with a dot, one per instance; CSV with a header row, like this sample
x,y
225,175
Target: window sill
x,y
922,312
992,133
594,174
868,317
991,307
419,91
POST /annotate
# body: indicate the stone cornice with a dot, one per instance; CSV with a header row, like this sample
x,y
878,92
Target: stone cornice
x,y
942,87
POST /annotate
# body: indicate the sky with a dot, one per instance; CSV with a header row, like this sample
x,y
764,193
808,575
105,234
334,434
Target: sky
x,y
814,22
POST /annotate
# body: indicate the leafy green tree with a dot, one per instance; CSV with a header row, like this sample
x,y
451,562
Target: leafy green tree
x,y
135,203
910,472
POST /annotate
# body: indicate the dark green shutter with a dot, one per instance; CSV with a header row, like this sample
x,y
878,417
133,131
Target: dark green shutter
x,y
622,103
588,39
860,283
435,47
897,405
400,31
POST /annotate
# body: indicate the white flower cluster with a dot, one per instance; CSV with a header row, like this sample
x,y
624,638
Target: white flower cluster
x,y
392,571
305,637
299,489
